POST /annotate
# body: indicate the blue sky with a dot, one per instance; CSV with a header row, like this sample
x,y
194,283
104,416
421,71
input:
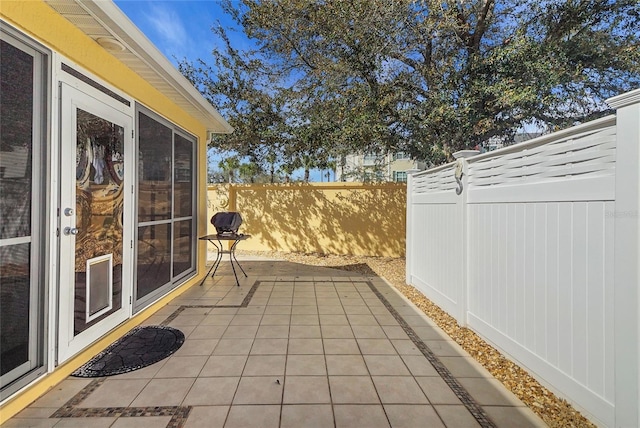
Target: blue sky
x,y
182,29
179,28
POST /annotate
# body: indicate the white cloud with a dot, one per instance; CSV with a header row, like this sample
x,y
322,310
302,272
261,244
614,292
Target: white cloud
x,y
166,23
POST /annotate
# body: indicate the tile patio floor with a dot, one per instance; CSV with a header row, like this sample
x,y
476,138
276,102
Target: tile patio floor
x,y
293,346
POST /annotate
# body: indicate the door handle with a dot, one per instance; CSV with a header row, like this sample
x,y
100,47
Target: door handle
x,y
70,231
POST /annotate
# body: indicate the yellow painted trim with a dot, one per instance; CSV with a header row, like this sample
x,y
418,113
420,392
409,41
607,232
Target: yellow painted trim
x,y
45,383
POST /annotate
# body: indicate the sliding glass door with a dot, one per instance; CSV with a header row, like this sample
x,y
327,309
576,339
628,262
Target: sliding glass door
x,y
23,103
166,217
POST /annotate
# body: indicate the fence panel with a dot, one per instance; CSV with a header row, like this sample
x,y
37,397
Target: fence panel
x,y
526,256
541,259
435,247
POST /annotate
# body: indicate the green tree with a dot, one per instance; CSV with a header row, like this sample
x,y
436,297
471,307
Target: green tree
x,y
229,167
426,77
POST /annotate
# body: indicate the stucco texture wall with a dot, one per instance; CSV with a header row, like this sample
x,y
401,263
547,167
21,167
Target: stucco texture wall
x,y
327,218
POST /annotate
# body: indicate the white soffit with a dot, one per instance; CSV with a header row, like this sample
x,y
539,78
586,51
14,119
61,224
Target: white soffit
x,y
103,19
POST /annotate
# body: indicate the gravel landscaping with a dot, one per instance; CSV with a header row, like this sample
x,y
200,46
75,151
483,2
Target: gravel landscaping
x,y
556,412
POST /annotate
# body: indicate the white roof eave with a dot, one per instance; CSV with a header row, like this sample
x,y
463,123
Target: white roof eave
x,y
136,43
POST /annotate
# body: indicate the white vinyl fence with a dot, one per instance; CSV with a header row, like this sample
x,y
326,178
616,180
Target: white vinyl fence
x,y
539,254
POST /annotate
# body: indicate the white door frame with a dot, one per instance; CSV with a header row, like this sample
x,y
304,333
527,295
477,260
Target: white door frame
x,y
93,101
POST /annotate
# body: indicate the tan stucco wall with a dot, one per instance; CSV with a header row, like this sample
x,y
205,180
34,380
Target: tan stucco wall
x,y
327,218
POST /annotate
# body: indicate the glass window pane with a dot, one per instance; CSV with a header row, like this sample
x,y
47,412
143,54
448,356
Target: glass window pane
x,y
182,247
154,170
14,306
16,141
183,187
154,258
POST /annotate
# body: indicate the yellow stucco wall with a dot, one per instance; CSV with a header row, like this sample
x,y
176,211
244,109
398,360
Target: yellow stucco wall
x,y
39,21
328,218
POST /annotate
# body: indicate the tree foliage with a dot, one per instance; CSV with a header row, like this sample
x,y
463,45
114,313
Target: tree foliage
x,y
426,77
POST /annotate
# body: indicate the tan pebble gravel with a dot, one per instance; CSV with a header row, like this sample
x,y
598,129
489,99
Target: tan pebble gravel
x,y
556,412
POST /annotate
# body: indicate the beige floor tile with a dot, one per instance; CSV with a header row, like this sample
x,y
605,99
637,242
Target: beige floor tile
x,y
182,320
430,333
233,347
304,319
387,319
207,417
337,332
418,365
341,346
265,416
306,365
412,416
331,310
252,309
115,393
347,365
304,309
406,347
269,347
139,422
224,365
376,346
217,319
368,332
356,309
456,416
240,332
437,391
163,392
386,365
362,320
305,331
275,319
399,390
350,416
333,319
36,412
206,332
303,301
176,366
353,390
395,332
490,392
306,390
30,423
258,390
378,309
445,348
225,311
305,346
265,365
280,301
61,393
273,332
212,391
278,310
328,301
197,347
464,367
516,417
307,416
89,422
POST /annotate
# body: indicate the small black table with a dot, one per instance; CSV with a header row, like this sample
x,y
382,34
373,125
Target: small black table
x,y
216,240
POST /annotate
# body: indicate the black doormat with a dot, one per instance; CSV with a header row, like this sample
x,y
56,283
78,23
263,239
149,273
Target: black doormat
x,y
139,348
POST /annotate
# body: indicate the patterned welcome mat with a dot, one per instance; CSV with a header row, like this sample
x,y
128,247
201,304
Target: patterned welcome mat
x,y
139,348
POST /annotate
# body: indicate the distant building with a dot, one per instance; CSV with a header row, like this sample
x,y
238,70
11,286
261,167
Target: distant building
x,y
378,167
